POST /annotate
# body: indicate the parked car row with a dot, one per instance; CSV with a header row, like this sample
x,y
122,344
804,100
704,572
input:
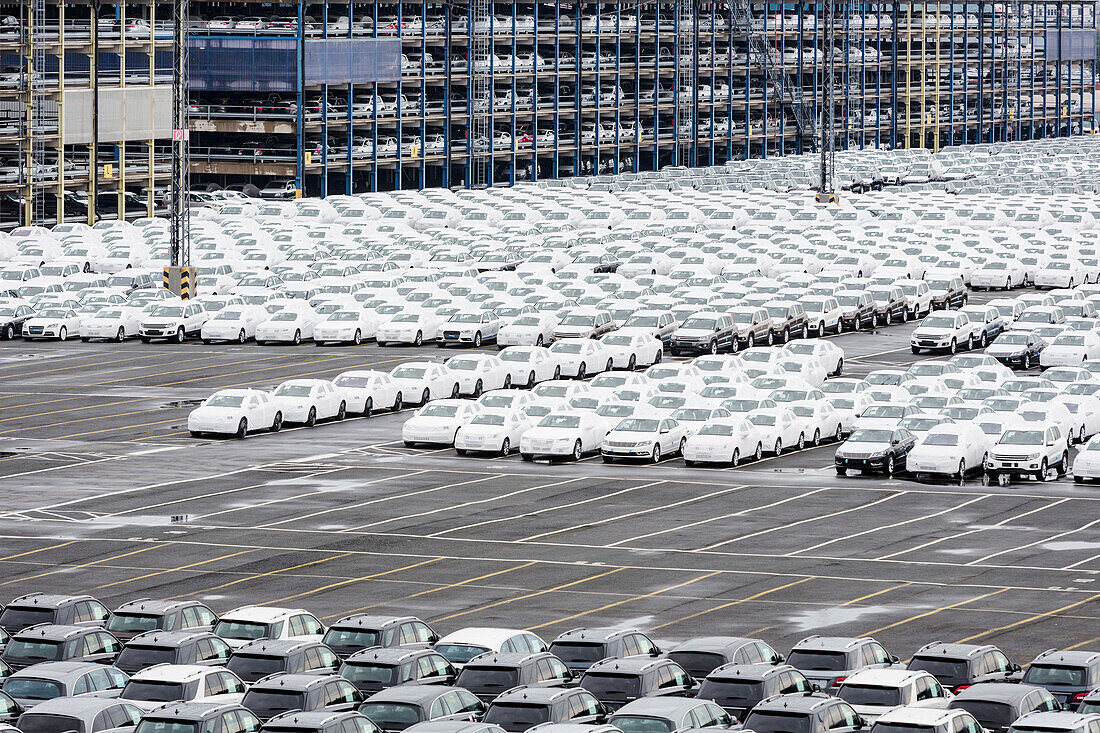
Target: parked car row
x,y
68,663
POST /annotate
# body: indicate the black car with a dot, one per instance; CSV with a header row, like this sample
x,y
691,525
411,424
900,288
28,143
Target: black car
x,y
958,666
491,674
363,631
199,716
138,617
57,643
1069,676
12,318
807,713
582,648
997,704
1017,349
173,647
264,657
616,682
874,450
788,319
280,693
705,333
371,670
890,304
738,688
40,608
524,707
702,655
320,721
397,708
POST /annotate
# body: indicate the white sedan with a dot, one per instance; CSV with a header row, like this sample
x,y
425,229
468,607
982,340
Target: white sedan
x,y
470,328
366,390
235,412
563,435
476,373
233,323
1070,349
628,350
409,328
346,327
306,401
529,365
1086,465
949,450
827,353
112,322
438,422
727,440
779,427
582,357
528,329
52,323
825,421
493,431
420,381
644,437
287,326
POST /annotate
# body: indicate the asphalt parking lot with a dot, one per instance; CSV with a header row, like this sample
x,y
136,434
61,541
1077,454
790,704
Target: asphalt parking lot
x,y
104,492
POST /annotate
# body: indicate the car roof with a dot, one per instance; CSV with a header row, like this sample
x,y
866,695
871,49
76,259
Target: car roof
x,y
506,659
46,599
362,620
799,702
167,638
54,631
940,649
1066,719
393,654
659,706
57,670
747,671
293,681
309,718
595,634
147,605
1055,656
74,706
267,614
628,665
172,672
190,710
447,726
884,677
410,693
275,646
917,716
998,691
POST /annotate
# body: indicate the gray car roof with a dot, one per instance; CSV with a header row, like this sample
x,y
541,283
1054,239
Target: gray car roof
x,y
388,655
168,638
627,665
75,707
191,710
410,693
274,646
660,707
533,694
61,671
150,605
294,681
505,659
720,644
748,671
996,691
1057,719
309,718
371,621
447,726
53,631
796,702
594,635
940,649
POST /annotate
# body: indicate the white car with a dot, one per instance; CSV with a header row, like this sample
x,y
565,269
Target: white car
x,y
409,328
233,323
825,421
823,313
778,427
52,323
477,373
1070,349
999,272
1086,464
644,437
421,381
872,692
826,353
568,434
581,357
492,431
175,321
346,327
946,331
528,329
470,328
305,401
629,350
152,687
885,415
727,440
952,449
248,623
235,412
461,646
1060,274
530,365
438,422
366,390
287,326
112,322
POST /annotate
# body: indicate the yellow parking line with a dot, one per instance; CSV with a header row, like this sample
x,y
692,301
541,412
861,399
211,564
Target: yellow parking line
x,y
40,549
933,612
177,569
210,365
68,568
731,603
95,406
256,576
1029,619
349,581
115,428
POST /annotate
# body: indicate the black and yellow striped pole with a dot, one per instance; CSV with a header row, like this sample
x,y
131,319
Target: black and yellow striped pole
x,y
181,281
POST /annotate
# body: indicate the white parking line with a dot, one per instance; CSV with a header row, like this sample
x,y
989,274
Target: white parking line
x,y
982,560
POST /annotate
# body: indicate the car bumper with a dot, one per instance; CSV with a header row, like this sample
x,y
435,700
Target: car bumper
x,y
634,451
434,436
223,426
869,465
689,347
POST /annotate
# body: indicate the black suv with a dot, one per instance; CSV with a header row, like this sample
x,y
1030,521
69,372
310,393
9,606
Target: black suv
x,y
581,648
957,666
137,617
825,660
523,707
173,647
57,643
397,708
371,670
264,657
1069,676
320,721
280,693
39,608
807,713
209,717
738,688
615,682
490,674
705,333
363,631
704,654
996,705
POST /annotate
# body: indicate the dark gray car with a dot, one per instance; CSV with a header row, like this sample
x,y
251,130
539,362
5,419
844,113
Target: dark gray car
x,y
580,648
671,714
192,717
79,715
41,608
364,631
704,654
738,688
138,617
825,659
173,647
320,721
491,674
372,670
10,710
397,708
54,643
615,682
524,707
957,666
813,713
1069,676
997,704
258,659
1090,703
48,680
280,693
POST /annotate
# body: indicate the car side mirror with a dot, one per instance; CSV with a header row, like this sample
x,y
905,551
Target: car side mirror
x,y
1017,668
894,659
778,659
664,431
814,687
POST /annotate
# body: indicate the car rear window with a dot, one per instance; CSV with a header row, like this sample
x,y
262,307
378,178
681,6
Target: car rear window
x,y
517,716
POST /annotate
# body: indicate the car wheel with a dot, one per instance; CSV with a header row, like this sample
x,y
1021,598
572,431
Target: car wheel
x,y
358,338
889,318
146,339
983,341
577,453
801,441
953,348
531,380
582,371
1063,465
655,454
505,447
962,471
713,348
120,336
195,433
1042,475
507,381
905,315
759,452
839,434
771,339
477,340
735,459
1027,361
311,418
821,329
478,387
242,336
419,340
889,465
63,334
778,446
408,443
454,391
608,459
841,471
631,363
242,429
425,396
9,332
660,355
817,436
874,320
1081,434
840,326
343,411
297,336
610,365
683,444
805,330
839,367
539,341
368,406
398,403
557,372
181,335
277,423
970,342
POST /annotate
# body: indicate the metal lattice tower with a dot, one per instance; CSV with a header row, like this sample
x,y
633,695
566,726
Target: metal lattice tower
x,y
178,212
34,168
481,93
786,91
685,80
827,144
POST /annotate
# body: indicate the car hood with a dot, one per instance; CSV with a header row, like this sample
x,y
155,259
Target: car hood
x,y
851,447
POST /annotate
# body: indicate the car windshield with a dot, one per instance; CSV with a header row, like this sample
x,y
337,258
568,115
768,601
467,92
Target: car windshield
x,y
224,400
45,723
293,390
778,721
946,439
126,621
1053,674
516,716
32,688
564,347
374,674
391,715
1022,437
560,421
702,324
466,318
439,411
460,653
408,373
153,691
488,419
870,695
638,425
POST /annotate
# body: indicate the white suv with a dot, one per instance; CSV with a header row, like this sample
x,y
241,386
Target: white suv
x,y
248,623
925,720
873,692
1029,450
174,321
152,687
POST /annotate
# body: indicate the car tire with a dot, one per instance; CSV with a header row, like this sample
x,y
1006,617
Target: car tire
x,y
9,332
358,337
874,320
689,464
771,339
582,371
660,357
759,452
120,335
607,459
1081,434
311,418
242,336
343,411
655,453
805,330
1042,475
479,387
683,444
821,329
557,372
778,446
531,379
62,334
242,429
905,315
983,341
425,396
277,423
455,392
735,459
841,471
539,341
297,336
419,340
817,437
505,448
477,340
839,367
577,452
1063,465
368,407
85,339
408,443
610,365
1027,361
181,335
970,342
398,402
632,363
839,434
801,441
953,348
527,457
889,469
713,348
889,318
195,433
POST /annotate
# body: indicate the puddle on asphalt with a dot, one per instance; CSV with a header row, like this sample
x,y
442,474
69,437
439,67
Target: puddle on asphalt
x,y
177,404
820,618
1069,545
